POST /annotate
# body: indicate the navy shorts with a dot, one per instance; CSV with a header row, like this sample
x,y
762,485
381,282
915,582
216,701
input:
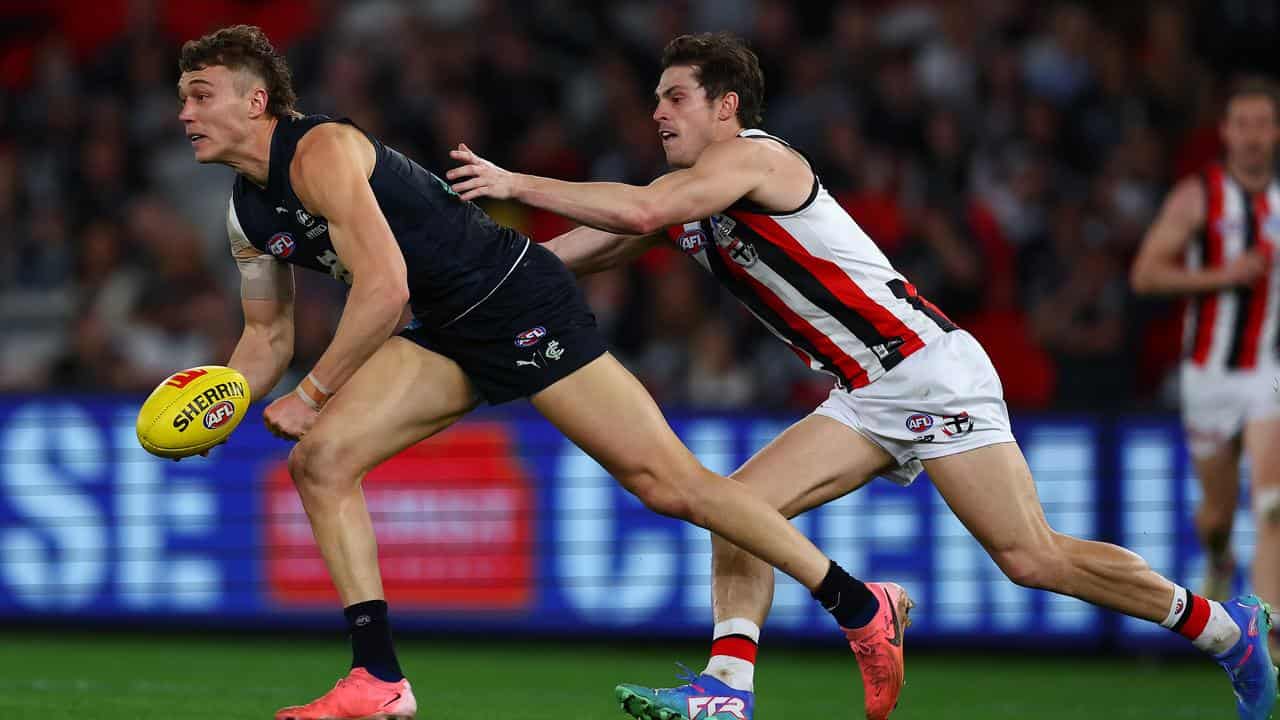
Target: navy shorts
x,y
535,329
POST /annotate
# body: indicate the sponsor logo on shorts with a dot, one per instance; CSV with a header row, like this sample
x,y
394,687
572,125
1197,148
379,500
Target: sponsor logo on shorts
x,y
531,337
957,425
218,415
691,242
926,438
554,351
534,361
919,422
281,245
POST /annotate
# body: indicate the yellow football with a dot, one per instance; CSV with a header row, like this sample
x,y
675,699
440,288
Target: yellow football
x,y
193,410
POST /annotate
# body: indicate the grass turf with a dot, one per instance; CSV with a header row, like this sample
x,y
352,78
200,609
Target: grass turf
x,y
51,675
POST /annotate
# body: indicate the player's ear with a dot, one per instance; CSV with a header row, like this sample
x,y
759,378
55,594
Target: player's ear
x,y
728,106
258,101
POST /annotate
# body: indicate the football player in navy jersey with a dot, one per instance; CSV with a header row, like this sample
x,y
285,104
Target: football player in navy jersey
x,y
495,318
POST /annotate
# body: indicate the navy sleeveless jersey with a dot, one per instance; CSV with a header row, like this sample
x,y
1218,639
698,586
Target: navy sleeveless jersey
x,y
455,254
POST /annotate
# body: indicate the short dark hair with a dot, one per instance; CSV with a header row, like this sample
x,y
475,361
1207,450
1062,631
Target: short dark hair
x,y
722,63
1251,86
245,47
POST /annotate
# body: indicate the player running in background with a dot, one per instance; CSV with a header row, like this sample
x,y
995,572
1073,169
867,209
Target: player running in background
x,y
1214,242
911,388
495,318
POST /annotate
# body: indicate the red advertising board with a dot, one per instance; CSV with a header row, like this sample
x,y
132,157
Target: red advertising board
x,y
454,520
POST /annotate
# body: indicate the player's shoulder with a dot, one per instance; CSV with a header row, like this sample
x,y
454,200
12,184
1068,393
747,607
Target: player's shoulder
x,y
1188,196
329,138
746,153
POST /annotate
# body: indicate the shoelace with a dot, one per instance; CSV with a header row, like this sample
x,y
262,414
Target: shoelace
x,y
688,676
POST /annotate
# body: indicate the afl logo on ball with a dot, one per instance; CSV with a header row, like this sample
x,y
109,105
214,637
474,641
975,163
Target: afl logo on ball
x,y
218,415
531,337
918,423
281,245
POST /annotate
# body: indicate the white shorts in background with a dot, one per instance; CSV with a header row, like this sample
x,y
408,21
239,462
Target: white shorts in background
x,y
1216,404
942,400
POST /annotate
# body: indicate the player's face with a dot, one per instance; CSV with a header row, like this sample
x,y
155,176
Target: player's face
x,y
685,116
1251,131
214,112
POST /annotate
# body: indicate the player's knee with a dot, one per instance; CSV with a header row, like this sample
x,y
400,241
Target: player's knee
x,y
660,493
1030,567
1214,517
317,469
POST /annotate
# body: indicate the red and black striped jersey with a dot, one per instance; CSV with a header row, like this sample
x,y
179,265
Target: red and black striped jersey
x,y
817,281
1234,328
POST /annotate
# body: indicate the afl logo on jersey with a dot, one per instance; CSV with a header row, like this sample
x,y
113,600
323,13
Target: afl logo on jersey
x,y
692,242
919,422
281,245
531,337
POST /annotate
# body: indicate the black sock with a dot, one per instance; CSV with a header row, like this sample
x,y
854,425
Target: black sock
x,y
848,600
371,640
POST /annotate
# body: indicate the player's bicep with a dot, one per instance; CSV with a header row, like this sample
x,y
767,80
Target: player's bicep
x,y
1181,216
331,177
724,174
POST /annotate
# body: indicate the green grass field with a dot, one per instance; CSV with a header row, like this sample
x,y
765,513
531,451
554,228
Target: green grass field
x,y
54,675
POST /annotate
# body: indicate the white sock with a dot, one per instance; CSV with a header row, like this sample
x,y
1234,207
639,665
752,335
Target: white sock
x,y
736,671
1221,632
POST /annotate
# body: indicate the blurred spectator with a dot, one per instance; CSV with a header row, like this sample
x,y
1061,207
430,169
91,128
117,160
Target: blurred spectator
x,y
1006,158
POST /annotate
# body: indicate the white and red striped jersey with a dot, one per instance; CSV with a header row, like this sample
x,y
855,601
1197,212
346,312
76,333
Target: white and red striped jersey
x,y
1235,328
817,281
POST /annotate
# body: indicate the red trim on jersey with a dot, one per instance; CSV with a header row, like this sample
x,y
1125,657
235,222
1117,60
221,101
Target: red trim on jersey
x,y
1258,301
835,280
736,646
844,362
1212,258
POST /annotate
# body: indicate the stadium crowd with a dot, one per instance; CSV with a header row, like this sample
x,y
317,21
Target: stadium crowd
x,y
1006,154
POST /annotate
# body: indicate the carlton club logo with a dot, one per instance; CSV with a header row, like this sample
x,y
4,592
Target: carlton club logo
x,y
530,337
281,245
218,415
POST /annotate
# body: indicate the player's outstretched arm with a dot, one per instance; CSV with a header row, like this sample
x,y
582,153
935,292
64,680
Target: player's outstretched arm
x,y
1159,269
724,173
266,295
586,250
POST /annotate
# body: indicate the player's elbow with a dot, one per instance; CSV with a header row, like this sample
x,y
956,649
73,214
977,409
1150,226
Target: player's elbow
x,y
642,218
1140,279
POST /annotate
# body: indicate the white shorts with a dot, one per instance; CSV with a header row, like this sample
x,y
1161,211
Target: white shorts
x,y
1216,404
942,400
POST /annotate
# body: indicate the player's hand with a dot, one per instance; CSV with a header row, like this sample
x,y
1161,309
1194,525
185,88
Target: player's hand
x,y
289,417
477,177
1247,267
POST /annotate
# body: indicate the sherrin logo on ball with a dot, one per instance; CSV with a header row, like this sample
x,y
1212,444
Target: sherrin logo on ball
x,y
193,410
